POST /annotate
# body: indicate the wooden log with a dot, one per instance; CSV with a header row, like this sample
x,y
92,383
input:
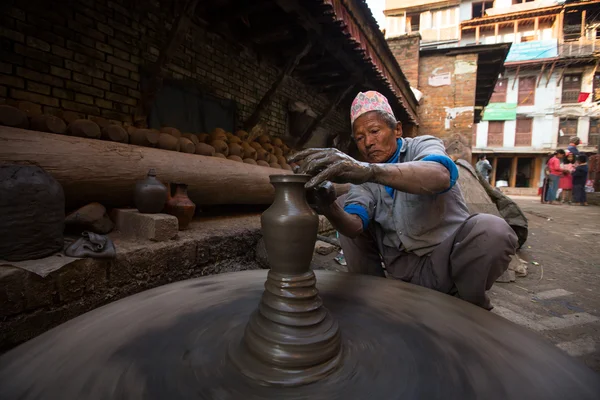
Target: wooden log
x,y
277,151
143,137
269,148
115,133
12,116
186,146
242,134
218,134
236,150
250,152
256,145
47,123
168,142
84,128
101,121
111,169
220,155
250,161
263,163
203,137
70,116
262,155
277,142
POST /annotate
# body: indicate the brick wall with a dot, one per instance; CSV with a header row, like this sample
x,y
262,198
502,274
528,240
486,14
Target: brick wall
x,y
87,56
406,50
454,100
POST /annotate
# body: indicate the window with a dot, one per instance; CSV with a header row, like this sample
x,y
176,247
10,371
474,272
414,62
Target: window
x,y
571,86
566,129
530,38
495,134
523,133
499,95
594,135
478,9
526,91
413,22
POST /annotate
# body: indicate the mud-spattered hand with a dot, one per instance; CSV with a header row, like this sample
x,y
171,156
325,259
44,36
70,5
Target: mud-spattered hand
x,y
322,197
332,165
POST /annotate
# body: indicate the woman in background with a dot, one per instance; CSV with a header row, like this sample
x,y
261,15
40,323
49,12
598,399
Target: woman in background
x,y
566,180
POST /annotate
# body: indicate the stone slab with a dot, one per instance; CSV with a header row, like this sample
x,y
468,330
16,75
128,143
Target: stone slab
x,y
156,227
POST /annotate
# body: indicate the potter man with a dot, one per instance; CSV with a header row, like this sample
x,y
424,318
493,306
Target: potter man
x,y
406,210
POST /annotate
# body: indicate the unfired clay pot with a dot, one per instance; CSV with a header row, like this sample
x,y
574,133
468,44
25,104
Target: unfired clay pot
x,y
150,195
289,226
180,205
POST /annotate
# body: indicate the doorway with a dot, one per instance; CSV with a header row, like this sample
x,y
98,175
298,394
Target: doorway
x,y
503,170
524,171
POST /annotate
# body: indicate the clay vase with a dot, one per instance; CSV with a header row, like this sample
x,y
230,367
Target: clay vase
x,y
291,339
180,205
150,194
289,226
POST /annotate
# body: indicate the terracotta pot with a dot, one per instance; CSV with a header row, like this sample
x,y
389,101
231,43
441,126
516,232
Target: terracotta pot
x,y
289,226
150,194
180,205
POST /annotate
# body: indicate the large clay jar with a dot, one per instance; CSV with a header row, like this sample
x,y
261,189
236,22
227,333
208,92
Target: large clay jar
x,y
150,195
290,226
180,205
32,213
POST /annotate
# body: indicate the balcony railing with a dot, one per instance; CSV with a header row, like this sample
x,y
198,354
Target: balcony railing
x,y
578,48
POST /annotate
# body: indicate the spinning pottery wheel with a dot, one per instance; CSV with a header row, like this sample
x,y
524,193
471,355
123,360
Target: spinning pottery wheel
x,y
376,339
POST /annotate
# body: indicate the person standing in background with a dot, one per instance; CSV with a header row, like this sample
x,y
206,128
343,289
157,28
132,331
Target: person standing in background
x,y
483,166
555,172
573,143
579,178
566,180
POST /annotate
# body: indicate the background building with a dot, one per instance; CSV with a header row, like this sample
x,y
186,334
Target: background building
x,y
550,89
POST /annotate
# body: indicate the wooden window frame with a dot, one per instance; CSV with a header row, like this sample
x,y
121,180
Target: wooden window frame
x,y
526,96
495,139
523,136
500,96
564,140
570,95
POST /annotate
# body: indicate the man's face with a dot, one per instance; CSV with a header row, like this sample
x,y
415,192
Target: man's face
x,y
375,140
559,156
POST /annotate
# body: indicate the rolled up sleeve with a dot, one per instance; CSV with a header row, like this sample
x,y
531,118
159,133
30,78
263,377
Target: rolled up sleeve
x,y
360,201
432,149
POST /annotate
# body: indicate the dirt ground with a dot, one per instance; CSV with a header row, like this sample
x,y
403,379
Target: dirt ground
x,y
560,297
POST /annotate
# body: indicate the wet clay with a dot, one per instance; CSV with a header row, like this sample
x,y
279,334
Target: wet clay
x,y
400,341
291,339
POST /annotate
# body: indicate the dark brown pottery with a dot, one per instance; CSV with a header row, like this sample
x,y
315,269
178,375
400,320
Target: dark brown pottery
x,y
180,205
291,339
150,194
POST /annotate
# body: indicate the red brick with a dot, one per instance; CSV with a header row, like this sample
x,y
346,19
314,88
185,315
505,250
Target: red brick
x,y
38,55
37,44
86,30
13,81
62,52
38,87
12,35
104,103
85,50
123,64
61,72
121,54
40,77
104,47
82,108
99,83
6,68
121,71
121,81
120,98
63,94
86,89
116,116
82,78
105,29
84,69
33,97
84,98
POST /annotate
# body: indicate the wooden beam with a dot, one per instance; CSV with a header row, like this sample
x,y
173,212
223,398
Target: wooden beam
x,y
583,23
496,33
550,73
266,99
562,74
494,168
536,28
513,172
315,124
515,31
516,77
156,73
336,51
477,35
539,79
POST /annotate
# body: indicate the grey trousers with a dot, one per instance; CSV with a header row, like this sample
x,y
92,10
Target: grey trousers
x,y
466,264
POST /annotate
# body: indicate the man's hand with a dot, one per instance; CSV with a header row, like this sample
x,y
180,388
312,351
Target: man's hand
x,y
322,197
332,165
